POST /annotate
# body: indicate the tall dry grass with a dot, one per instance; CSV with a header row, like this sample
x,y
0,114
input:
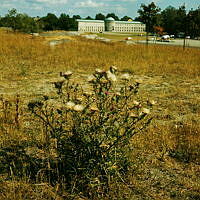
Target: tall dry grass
x,y
166,157
33,55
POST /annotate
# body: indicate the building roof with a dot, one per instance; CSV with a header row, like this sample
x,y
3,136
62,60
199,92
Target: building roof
x,y
109,19
128,22
102,21
86,20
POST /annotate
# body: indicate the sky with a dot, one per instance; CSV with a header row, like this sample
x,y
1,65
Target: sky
x,y
86,8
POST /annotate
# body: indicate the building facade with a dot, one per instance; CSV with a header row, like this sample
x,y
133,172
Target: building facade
x,y
110,25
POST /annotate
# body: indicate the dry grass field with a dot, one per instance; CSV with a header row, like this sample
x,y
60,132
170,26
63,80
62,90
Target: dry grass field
x,y
121,36
166,156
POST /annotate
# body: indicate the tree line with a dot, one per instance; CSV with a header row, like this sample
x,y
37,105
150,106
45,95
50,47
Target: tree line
x,y
173,21
170,20
24,23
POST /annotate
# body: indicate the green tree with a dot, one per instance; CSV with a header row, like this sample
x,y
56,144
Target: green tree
x,y
169,23
25,23
1,21
125,18
193,22
50,22
100,16
73,25
10,19
20,22
76,17
181,19
64,22
148,15
89,18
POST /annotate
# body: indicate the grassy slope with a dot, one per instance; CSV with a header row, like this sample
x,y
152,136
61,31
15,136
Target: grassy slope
x,y
169,75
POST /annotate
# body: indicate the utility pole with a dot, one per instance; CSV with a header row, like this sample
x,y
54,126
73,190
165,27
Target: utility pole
x,y
184,42
185,27
147,32
147,38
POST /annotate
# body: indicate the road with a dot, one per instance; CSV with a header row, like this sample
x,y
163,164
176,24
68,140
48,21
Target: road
x,y
177,42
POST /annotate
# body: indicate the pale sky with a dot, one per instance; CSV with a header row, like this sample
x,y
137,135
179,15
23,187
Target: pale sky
x,y
87,7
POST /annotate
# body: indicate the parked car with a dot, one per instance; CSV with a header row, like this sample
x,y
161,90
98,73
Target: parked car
x,y
165,38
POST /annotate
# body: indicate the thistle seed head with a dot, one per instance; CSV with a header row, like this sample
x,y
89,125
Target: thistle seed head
x,y
110,76
145,110
78,108
70,105
66,74
94,109
99,71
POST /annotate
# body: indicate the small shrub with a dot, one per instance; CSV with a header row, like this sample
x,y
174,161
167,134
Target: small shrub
x,y
86,134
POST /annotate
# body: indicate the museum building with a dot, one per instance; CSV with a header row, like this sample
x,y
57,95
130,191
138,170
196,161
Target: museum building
x,y
110,25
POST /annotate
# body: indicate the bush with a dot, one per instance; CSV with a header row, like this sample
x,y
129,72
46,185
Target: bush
x,y
86,133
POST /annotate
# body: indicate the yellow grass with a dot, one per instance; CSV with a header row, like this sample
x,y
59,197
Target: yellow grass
x,y
19,50
50,38
27,60
121,36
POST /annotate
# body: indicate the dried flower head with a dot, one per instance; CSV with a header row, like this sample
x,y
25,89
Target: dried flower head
x,y
94,109
99,71
118,94
145,110
79,99
110,76
78,108
136,103
66,75
70,105
87,94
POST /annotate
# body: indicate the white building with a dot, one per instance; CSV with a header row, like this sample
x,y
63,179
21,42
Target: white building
x,y
110,25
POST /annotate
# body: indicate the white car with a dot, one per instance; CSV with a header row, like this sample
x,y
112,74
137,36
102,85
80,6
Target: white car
x,y
165,37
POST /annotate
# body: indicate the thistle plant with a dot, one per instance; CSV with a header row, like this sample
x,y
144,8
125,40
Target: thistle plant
x,y
91,130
